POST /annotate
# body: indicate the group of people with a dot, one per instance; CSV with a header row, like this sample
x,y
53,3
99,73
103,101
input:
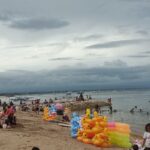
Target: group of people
x,y
81,97
136,109
7,115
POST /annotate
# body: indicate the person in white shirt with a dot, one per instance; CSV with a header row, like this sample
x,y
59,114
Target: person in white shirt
x,y
146,137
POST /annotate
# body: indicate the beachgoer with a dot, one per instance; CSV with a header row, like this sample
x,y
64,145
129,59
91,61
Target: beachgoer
x,y
45,102
135,147
109,100
32,102
146,137
141,110
81,98
2,119
59,108
50,101
35,148
4,106
11,119
132,110
66,118
135,107
97,108
77,98
37,108
110,107
11,103
20,102
90,97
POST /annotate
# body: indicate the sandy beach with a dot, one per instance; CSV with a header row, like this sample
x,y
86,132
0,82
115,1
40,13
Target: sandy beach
x,y
31,131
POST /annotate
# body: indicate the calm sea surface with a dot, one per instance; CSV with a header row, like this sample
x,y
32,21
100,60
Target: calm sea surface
x,y
123,101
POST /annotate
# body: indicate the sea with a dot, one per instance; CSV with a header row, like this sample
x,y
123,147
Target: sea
x,y
122,101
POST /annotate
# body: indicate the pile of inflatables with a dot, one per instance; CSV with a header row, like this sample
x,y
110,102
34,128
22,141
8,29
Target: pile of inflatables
x,y
119,134
95,129
49,113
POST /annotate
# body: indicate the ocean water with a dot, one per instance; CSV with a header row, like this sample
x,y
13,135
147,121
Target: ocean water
x,y
122,100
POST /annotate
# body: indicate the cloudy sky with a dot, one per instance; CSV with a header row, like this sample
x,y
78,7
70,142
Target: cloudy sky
x,y
74,44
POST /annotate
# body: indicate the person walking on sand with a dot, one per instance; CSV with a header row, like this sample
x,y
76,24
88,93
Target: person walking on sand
x,y
146,137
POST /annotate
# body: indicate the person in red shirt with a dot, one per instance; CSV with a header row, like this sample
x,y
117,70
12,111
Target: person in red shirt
x,y
11,119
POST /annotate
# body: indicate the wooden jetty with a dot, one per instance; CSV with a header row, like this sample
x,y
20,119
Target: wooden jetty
x,y
82,105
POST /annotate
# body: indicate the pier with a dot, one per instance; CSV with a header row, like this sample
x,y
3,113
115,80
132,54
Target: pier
x,y
82,105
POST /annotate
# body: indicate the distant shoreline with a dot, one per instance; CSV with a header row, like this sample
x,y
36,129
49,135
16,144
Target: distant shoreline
x,y
65,91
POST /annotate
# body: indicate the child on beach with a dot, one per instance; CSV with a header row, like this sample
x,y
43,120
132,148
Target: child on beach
x,y
137,145
146,137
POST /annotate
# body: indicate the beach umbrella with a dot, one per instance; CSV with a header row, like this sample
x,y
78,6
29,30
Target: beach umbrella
x,y
59,106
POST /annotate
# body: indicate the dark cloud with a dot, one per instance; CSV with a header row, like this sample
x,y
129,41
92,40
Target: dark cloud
x,y
89,37
32,23
5,17
146,52
16,47
143,32
139,56
75,79
116,63
143,54
63,59
38,24
114,44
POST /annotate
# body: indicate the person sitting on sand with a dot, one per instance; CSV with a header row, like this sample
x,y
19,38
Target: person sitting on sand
x,y
11,119
137,145
66,118
35,148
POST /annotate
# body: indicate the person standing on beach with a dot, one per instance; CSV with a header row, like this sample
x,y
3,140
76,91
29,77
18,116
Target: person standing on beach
x,y
146,137
81,98
37,106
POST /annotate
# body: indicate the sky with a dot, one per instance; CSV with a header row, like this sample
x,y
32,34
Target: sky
x,y
50,45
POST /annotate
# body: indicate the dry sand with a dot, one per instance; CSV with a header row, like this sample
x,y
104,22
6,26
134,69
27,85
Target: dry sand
x,y
31,131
